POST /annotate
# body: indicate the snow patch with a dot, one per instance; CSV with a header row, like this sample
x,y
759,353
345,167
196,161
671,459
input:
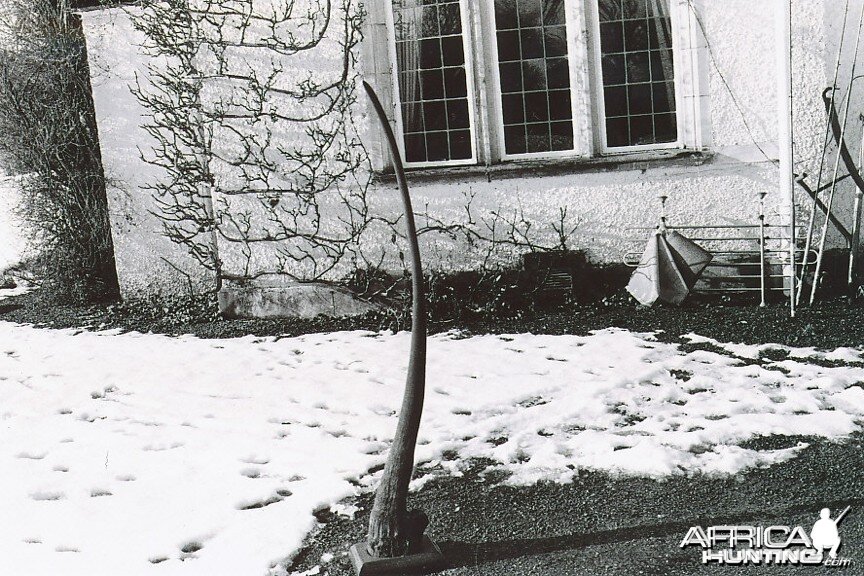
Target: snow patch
x,y
219,453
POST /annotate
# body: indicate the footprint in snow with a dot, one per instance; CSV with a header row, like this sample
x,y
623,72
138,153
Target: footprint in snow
x,y
161,447
255,459
66,549
126,478
47,496
99,492
32,540
187,551
255,504
85,417
31,455
60,468
250,472
157,559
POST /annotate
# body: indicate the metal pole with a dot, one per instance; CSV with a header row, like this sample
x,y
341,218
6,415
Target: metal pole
x,y
763,303
855,242
823,238
784,118
811,224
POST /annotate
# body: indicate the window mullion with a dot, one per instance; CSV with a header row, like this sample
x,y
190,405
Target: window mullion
x,y
478,40
580,78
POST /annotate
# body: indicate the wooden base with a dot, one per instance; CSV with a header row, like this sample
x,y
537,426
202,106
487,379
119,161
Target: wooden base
x,y
429,559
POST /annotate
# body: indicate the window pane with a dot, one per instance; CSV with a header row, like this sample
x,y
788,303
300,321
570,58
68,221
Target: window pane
x,y
553,12
559,105
536,107
534,75
460,143
413,114
562,136
455,85
534,71
449,19
506,16
457,114
454,53
508,45
513,107
511,77
637,67
615,98
435,115
433,83
514,139
532,43
637,72
539,137
557,73
639,98
415,148
530,12
555,40
437,146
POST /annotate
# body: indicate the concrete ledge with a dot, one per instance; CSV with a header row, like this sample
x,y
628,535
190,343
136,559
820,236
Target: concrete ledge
x,y
292,301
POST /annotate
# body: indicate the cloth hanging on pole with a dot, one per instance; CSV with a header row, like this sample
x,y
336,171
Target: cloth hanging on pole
x,y
668,269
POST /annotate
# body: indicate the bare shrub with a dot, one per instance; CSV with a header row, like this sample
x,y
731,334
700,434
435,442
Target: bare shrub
x,y
49,134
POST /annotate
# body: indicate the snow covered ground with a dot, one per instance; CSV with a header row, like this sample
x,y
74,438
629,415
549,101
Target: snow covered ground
x,y
149,455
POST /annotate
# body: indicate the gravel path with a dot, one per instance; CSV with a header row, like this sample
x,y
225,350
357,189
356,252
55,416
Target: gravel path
x,y
600,525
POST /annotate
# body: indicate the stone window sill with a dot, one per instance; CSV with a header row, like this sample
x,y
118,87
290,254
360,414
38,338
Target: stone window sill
x,y
541,168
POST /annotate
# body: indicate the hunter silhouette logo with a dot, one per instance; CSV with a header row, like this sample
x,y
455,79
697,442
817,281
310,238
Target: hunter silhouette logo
x,y
825,534
771,544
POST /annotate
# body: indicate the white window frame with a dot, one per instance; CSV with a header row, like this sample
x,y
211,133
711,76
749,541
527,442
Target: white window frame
x,y
467,47
495,89
599,96
480,44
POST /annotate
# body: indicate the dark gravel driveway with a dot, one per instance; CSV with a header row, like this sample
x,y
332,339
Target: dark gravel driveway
x,y
601,525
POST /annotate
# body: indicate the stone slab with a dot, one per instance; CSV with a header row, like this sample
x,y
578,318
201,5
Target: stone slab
x,y
429,559
293,301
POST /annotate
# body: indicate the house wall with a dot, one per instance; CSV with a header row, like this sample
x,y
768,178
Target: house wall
x,y
737,75
147,262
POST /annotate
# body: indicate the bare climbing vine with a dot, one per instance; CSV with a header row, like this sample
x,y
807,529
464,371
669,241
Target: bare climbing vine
x,y
260,152
252,110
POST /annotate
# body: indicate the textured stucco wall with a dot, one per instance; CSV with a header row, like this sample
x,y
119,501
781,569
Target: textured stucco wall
x,y
146,261
740,82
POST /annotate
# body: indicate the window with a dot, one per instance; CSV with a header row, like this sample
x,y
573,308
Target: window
x,y
433,81
497,80
534,76
638,73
